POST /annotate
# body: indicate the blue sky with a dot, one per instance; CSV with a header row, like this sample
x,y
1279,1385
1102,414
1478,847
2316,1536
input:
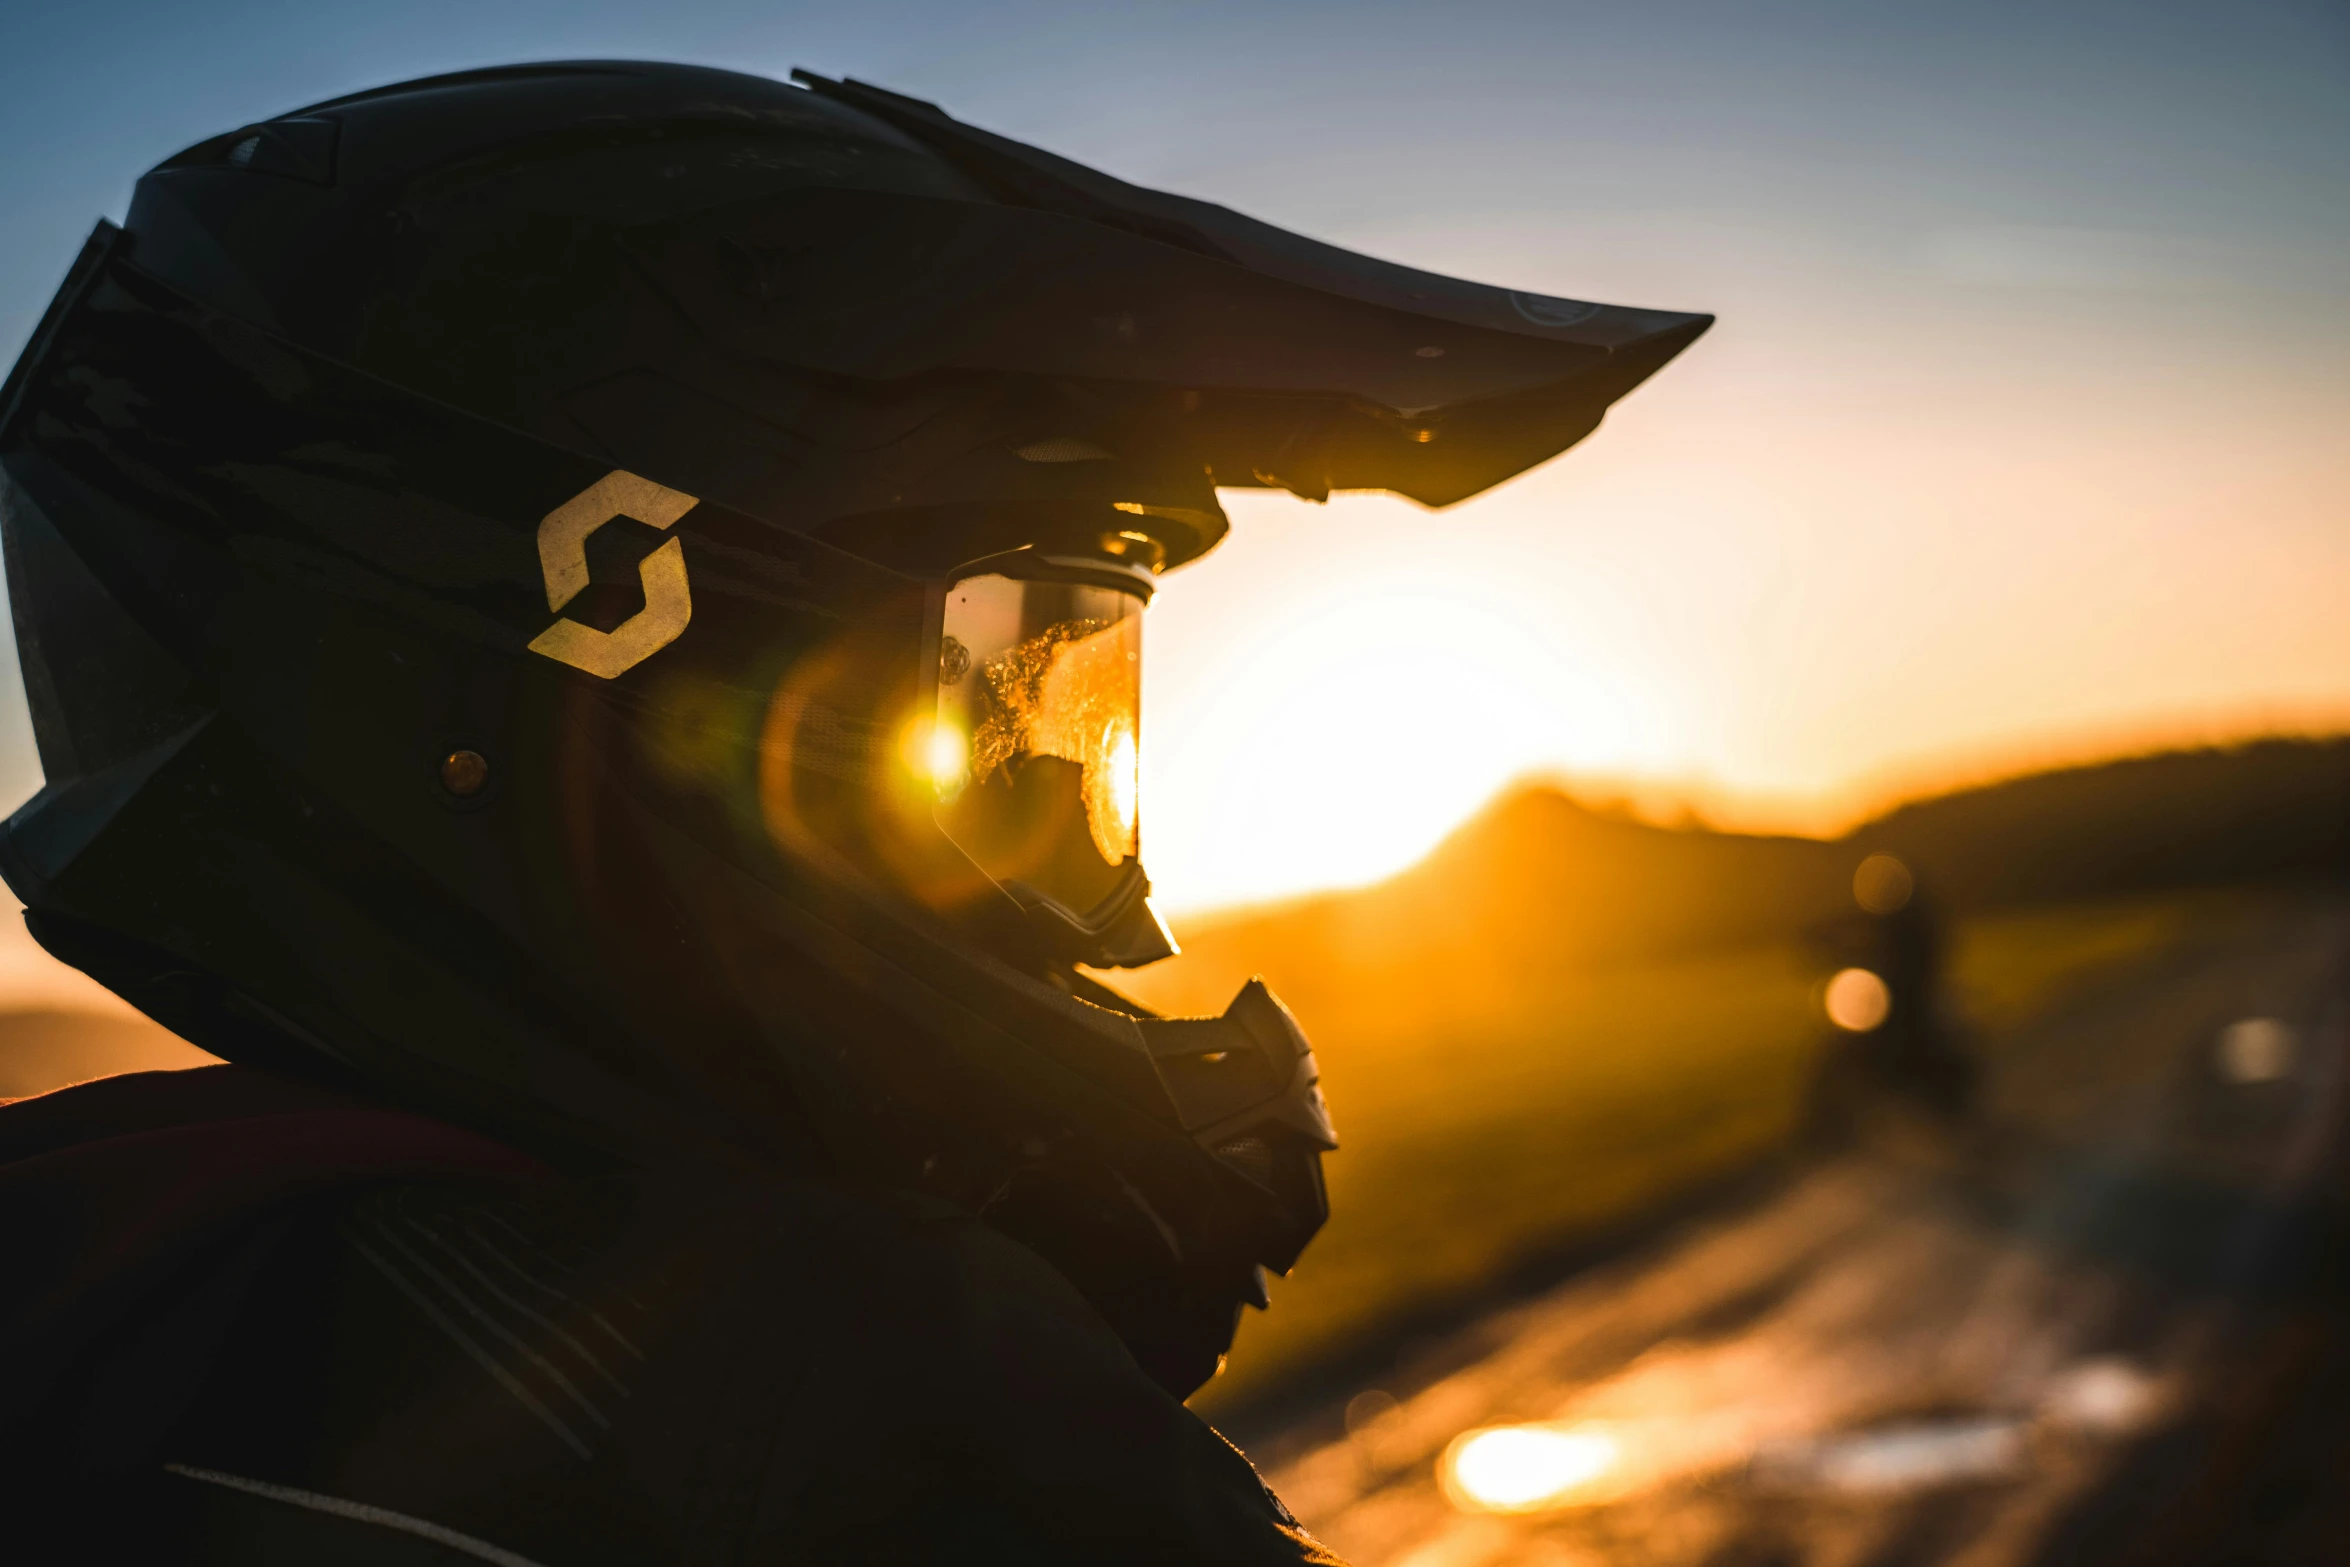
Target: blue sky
x,y
2111,114
2018,437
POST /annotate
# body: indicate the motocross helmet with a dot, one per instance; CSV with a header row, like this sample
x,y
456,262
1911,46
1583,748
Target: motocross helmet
x,y
604,601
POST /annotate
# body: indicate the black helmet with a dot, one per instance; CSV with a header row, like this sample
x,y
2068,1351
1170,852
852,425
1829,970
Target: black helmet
x,y
603,600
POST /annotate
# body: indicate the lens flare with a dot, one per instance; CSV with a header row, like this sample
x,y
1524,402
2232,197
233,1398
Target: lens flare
x,y
937,752
1523,1469
1857,1000
949,757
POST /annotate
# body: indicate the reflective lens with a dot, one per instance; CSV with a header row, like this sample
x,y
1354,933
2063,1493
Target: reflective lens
x,y
1039,716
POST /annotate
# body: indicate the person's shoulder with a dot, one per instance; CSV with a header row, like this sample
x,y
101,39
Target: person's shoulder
x,y
999,1407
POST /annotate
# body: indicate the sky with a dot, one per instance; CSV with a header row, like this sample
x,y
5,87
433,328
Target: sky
x,y
2020,439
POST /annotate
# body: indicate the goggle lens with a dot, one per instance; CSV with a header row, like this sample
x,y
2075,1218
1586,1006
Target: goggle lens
x,y
1035,752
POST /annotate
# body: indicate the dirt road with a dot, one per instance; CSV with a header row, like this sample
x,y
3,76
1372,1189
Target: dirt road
x,y
2102,1327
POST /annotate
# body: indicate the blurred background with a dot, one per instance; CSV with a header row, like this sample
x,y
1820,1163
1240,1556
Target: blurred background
x,y
1823,910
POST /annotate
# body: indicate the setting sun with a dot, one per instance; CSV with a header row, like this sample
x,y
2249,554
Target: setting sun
x,y
1320,724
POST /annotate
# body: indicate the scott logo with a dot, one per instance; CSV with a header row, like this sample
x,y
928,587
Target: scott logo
x,y
563,540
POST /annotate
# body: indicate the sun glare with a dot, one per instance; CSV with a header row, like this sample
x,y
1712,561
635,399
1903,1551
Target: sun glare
x,y
1522,1469
1331,733
937,752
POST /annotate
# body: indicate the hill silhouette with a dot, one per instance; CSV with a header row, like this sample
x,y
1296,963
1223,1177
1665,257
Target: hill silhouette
x,y
2273,809
1541,881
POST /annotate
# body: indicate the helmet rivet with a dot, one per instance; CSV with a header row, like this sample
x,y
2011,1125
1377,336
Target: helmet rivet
x,y
465,773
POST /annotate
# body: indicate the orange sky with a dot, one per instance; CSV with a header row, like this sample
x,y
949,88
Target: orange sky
x,y
1885,530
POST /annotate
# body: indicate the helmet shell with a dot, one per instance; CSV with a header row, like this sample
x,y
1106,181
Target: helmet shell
x,y
278,476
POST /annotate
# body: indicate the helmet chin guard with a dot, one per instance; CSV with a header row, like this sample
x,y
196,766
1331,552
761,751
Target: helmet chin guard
x,y
630,431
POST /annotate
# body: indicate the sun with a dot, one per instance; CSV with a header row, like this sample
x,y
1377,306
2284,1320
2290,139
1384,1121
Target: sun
x,y
1331,737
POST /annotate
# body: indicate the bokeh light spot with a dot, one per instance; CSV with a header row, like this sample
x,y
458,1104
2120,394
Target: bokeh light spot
x,y
2257,1050
1858,1001
1882,884
1517,1469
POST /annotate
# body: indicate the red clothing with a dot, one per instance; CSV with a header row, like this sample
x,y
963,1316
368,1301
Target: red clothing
x,y
112,1191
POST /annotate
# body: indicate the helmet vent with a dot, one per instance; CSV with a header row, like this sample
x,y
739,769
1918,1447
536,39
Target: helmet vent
x,y
1251,1156
1062,448
241,155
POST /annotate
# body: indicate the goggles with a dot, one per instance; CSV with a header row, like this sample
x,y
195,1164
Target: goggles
x,y
1034,752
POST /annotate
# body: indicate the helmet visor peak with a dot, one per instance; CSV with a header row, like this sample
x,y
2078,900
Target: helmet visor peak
x,y
1034,752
